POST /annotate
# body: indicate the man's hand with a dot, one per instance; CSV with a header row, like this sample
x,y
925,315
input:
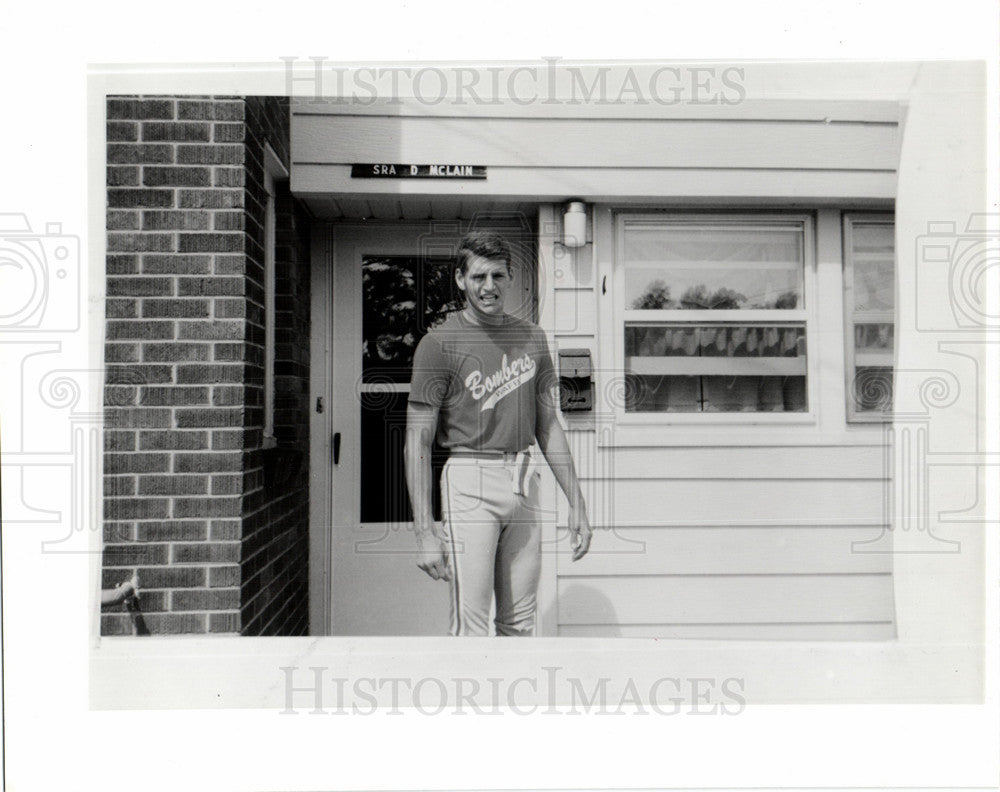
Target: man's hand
x,y
579,532
433,556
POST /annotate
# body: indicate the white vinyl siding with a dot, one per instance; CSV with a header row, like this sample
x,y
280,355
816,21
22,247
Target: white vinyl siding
x,y
728,529
784,150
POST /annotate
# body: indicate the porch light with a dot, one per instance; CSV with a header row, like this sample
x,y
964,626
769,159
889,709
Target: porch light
x,y
575,224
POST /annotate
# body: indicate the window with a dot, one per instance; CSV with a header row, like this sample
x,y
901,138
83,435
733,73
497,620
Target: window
x,y
403,298
869,305
713,314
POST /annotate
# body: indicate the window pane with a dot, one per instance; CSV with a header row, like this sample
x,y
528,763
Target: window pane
x,y
872,389
403,298
873,336
720,268
870,270
715,368
873,285
384,496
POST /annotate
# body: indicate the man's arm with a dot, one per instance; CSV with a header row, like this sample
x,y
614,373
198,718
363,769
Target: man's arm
x,y
421,424
552,440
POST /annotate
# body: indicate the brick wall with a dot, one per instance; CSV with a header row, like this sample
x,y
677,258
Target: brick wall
x,y
217,545
275,562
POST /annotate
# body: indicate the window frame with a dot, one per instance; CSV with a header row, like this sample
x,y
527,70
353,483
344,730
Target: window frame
x,y
619,315
849,220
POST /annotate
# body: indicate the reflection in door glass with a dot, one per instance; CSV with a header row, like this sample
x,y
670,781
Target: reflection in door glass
x,y
403,298
384,496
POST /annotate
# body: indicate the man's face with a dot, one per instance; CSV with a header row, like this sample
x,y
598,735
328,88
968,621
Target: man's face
x,y
484,282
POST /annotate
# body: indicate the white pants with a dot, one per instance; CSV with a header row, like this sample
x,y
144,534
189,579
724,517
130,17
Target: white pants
x,y
490,508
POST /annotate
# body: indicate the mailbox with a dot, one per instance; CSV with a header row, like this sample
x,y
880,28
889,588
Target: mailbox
x,y
576,388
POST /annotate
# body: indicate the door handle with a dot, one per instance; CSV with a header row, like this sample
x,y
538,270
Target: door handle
x,y
336,448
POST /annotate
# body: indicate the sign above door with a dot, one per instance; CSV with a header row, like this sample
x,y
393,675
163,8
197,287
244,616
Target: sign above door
x,y
386,170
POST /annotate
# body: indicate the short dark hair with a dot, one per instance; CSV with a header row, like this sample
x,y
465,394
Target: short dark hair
x,y
485,244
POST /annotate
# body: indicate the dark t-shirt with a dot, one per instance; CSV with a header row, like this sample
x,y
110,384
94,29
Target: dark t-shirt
x,y
485,380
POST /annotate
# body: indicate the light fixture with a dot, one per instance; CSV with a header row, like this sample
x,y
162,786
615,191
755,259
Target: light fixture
x,y
575,224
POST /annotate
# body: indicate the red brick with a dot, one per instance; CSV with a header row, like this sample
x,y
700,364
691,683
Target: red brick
x,y
139,153
140,108
224,622
205,599
121,309
176,623
210,243
136,418
122,221
172,440
175,309
122,176
228,353
171,577
208,417
149,374
228,221
175,353
167,396
230,309
128,198
228,133
124,329
211,331
211,110
119,486
135,554
227,395
123,131
213,287
177,176
152,602
176,264
175,130
136,509
253,479
119,441
173,531
141,286
223,531
227,440
210,199
120,395
210,374
226,485
228,177
213,552
230,265
114,624
191,220
214,154
139,243
121,264
207,463
113,533
173,485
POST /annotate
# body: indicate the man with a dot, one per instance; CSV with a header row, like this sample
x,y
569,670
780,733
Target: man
x,y
483,384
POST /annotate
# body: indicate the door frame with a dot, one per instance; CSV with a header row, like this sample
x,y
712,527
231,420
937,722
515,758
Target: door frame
x,y
320,428
327,241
